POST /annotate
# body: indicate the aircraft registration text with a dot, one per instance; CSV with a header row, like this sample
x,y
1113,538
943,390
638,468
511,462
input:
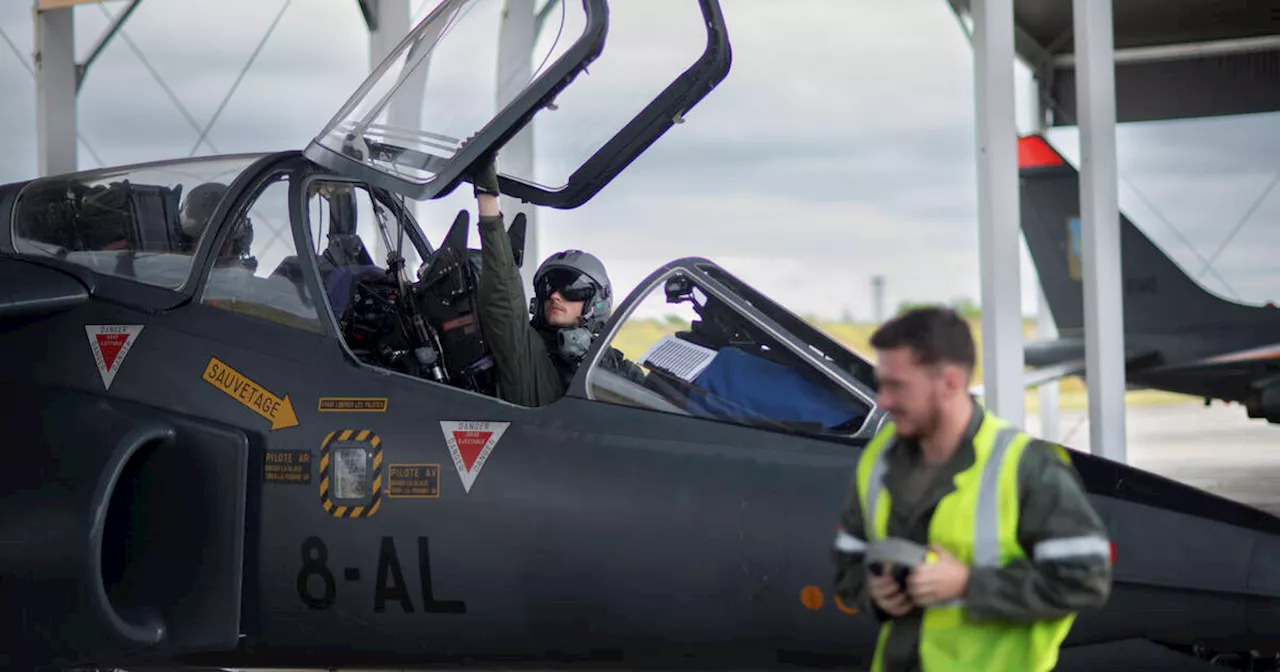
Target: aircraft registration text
x,y
318,587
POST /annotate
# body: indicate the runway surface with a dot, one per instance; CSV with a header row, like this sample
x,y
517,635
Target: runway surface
x,y
1217,448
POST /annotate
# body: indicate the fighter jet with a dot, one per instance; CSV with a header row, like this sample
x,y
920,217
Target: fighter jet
x,y
1178,336
237,438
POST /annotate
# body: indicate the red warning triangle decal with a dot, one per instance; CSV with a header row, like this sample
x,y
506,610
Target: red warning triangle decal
x,y
470,444
110,344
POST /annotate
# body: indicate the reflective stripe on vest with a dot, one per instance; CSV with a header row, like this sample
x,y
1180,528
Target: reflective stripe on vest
x,y
978,524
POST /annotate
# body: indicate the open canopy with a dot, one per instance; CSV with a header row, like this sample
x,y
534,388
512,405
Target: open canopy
x,y
416,123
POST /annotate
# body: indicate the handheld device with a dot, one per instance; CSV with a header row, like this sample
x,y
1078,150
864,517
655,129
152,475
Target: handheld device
x,y
896,557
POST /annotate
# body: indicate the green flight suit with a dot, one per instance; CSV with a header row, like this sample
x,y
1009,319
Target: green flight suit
x,y
530,370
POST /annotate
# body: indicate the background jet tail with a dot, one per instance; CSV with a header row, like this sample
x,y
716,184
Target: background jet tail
x,y
1158,296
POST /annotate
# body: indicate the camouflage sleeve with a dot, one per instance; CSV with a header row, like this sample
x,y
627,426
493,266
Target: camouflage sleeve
x,y
848,552
1068,563
525,372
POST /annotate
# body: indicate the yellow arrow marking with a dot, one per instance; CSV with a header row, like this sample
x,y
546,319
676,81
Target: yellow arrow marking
x,y
251,395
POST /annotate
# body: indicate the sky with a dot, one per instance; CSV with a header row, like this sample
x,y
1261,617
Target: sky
x,y
841,145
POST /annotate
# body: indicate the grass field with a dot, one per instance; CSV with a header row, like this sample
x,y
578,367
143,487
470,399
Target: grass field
x,y
637,335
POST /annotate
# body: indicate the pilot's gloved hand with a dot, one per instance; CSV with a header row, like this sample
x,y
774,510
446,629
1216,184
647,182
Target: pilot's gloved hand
x,y
483,174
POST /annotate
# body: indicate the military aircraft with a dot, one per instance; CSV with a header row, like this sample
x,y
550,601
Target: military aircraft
x,y
1178,336
237,440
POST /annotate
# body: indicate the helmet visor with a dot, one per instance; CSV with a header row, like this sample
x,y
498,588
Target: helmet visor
x,y
572,285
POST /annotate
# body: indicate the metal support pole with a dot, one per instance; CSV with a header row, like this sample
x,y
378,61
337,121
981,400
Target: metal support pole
x,y
1100,224
83,68
998,230
1049,401
1046,328
56,84
516,39
388,22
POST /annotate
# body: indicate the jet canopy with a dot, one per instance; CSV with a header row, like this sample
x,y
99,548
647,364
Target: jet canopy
x,y
471,76
711,346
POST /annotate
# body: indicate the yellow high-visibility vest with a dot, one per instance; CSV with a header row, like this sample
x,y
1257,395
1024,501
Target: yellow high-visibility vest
x,y
978,524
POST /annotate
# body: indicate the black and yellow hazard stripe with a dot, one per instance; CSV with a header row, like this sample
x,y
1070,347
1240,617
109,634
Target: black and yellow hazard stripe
x,y
375,446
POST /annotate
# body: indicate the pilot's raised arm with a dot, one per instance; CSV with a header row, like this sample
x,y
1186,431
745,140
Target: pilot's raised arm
x,y
536,358
526,374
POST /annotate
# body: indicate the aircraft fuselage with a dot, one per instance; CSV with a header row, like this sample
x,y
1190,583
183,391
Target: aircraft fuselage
x,y
593,532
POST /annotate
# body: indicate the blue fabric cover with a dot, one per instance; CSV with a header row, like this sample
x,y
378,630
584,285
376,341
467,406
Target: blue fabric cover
x,y
338,284
742,386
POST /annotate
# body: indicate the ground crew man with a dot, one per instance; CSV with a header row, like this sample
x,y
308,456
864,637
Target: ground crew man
x,y
537,358
1015,547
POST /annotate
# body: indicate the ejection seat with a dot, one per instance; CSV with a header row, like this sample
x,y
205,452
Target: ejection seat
x,y
346,258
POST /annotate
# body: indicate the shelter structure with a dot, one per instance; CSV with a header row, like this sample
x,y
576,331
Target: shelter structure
x,y
59,76
1097,63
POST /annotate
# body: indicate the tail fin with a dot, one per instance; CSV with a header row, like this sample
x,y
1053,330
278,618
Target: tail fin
x,y
1158,296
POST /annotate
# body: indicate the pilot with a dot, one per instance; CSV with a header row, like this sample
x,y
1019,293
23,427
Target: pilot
x,y
195,215
537,358
196,211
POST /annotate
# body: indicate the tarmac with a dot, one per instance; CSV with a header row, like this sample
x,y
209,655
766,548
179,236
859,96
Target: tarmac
x,y
1216,448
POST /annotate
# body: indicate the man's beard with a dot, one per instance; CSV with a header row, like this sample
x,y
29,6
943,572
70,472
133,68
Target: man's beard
x,y
926,424
557,319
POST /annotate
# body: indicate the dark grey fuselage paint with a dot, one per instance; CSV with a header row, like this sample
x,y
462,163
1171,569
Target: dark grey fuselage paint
x,y
596,533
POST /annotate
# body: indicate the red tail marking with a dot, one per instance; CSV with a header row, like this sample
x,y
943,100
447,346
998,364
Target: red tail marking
x,y
1034,152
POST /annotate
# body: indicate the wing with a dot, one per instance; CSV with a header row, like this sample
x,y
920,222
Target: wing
x,y
1060,358
1045,374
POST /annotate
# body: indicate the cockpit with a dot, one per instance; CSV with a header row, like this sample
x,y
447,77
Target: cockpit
x,y
141,222
714,348
709,345
416,312
342,253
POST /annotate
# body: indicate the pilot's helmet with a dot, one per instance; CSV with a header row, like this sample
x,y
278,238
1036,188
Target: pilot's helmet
x,y
197,209
578,276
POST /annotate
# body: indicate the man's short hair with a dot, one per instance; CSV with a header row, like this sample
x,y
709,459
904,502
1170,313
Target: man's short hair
x,y
936,334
